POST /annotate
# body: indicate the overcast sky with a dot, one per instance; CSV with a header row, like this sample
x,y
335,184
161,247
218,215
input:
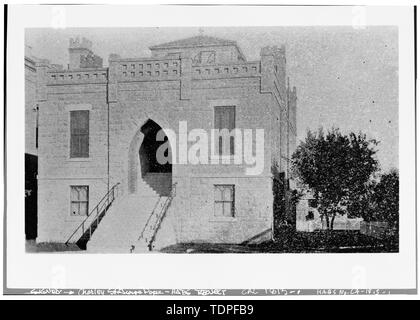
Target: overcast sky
x,y
345,77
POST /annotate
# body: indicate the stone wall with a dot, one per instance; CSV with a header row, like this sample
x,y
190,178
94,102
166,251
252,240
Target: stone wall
x,y
57,171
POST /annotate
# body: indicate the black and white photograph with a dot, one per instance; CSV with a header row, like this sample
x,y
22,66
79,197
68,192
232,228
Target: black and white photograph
x,y
183,142
283,140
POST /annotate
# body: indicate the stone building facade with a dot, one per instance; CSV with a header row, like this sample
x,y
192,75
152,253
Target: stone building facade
x,y
97,128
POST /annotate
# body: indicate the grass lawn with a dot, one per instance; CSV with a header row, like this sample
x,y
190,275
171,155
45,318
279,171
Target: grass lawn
x,y
288,241
291,241
333,241
33,247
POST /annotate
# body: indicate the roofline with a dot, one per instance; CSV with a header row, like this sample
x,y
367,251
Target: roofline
x,y
232,43
77,70
162,46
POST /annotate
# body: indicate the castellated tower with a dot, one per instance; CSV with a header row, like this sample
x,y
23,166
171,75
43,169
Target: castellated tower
x,y
81,55
273,65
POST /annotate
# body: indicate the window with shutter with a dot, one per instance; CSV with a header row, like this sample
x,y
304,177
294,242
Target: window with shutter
x,y
79,134
224,118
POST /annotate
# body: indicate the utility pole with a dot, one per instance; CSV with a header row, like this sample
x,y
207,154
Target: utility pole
x,y
36,109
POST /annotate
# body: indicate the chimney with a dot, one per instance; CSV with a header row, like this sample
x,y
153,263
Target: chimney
x,y
81,55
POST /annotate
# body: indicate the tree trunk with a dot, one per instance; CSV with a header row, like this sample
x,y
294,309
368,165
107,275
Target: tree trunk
x,y
327,220
332,222
327,234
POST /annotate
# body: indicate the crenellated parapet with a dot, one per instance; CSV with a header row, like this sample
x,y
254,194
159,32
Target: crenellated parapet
x,y
86,68
145,69
77,76
43,67
273,70
233,70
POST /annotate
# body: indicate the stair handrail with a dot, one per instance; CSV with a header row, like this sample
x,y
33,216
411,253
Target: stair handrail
x,y
159,218
149,219
98,208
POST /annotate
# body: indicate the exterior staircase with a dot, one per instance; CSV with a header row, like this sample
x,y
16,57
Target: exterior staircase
x,y
83,233
121,227
147,238
132,222
160,182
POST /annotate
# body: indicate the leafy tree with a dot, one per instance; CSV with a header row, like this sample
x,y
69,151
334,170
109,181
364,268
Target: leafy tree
x,y
384,199
361,203
336,167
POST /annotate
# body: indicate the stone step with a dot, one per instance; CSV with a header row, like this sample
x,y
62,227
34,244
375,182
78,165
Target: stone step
x,y
122,225
163,181
158,175
140,247
146,191
160,182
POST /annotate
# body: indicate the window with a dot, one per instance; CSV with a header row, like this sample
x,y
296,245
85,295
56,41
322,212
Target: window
x,y
224,118
205,57
310,216
224,200
79,130
79,200
312,203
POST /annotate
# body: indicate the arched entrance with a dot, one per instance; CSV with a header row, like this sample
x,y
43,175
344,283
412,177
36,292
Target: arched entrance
x,y
150,159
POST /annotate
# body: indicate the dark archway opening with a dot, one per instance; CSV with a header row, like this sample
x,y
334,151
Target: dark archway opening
x,y
154,172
